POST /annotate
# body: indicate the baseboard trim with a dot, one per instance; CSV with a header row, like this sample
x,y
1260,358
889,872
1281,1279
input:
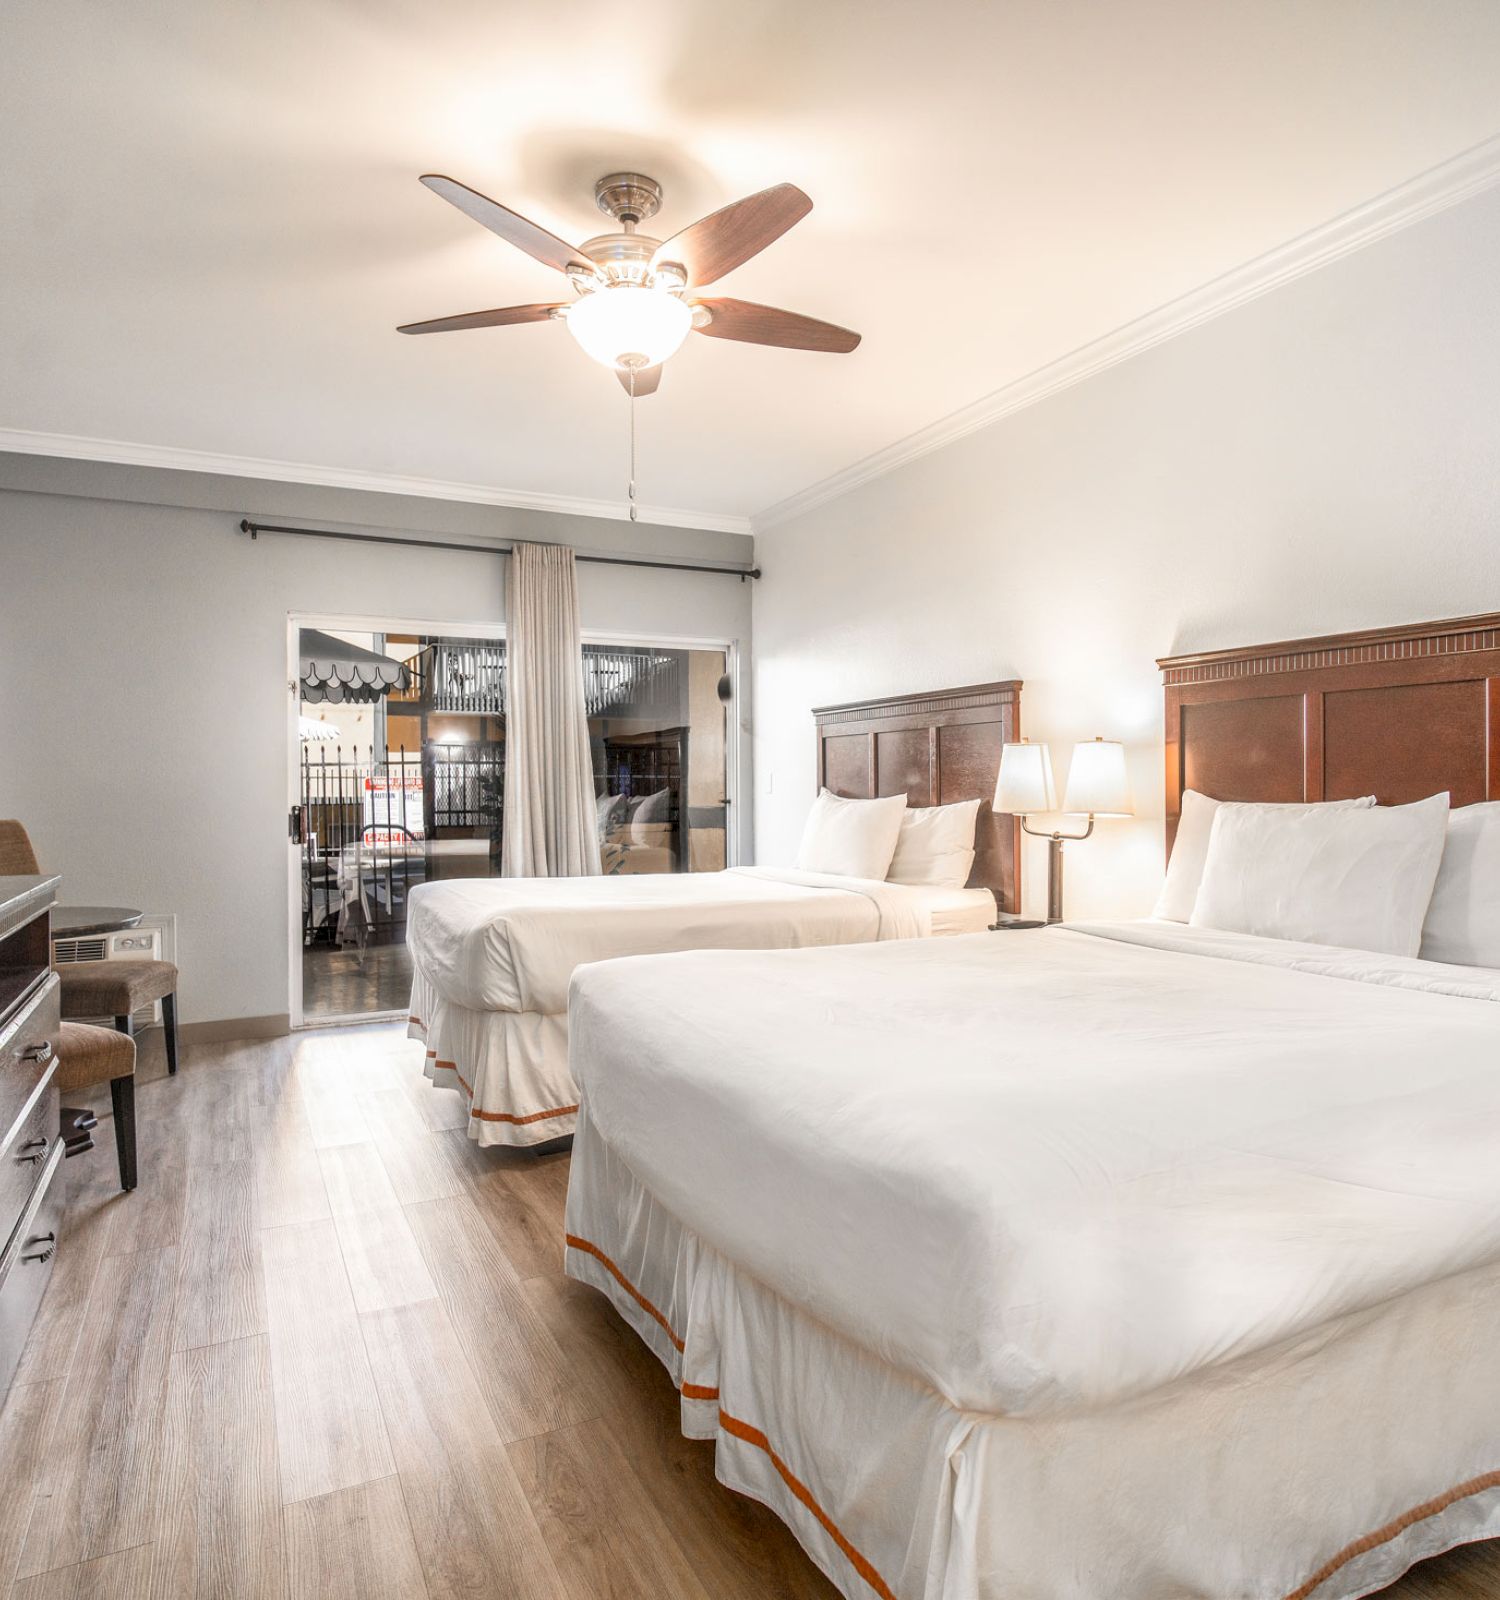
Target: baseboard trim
x,y
275,1026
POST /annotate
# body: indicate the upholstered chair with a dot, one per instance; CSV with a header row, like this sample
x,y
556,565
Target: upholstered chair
x,y
118,988
101,988
87,1055
17,859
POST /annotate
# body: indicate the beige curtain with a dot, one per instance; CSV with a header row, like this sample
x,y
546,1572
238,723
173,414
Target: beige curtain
x,y
551,821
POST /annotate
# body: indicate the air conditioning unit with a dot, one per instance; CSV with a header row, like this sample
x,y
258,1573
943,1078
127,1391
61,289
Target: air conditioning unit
x,y
154,938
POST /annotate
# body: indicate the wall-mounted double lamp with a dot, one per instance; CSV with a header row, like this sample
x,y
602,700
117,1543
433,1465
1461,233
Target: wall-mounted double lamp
x,y
1098,786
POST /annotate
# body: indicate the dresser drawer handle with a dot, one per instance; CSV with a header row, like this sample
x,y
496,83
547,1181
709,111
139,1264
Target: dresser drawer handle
x,y
48,1239
34,1150
38,1052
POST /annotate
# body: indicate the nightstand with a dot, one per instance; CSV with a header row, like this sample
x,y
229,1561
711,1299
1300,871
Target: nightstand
x,y
1007,924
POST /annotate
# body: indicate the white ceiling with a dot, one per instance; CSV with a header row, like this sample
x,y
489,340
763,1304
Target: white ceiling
x,y
210,221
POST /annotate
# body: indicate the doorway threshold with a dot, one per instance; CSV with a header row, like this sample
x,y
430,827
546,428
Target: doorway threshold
x,y
350,1020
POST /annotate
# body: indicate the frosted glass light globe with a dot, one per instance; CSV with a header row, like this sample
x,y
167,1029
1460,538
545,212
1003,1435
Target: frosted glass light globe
x,y
628,326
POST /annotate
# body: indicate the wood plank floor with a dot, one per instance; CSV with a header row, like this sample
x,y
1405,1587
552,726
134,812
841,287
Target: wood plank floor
x,y
280,1369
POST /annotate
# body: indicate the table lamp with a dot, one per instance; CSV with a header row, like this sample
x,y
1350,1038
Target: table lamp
x,y
1097,787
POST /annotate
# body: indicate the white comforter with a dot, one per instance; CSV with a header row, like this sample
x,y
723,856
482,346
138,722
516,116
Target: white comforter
x,y
1046,1170
511,944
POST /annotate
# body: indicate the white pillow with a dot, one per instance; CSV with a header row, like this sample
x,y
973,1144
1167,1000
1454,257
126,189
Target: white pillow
x,y
852,838
1190,848
611,808
936,845
1360,879
654,810
1463,921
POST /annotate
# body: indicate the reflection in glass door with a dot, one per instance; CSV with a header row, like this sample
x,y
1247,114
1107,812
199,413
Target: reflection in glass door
x,y
657,728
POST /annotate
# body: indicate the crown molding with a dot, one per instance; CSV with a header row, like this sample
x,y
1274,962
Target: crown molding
x,y
73,447
1453,636
1448,184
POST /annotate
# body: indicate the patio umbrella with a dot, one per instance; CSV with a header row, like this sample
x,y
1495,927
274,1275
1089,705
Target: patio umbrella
x,y
311,731
335,670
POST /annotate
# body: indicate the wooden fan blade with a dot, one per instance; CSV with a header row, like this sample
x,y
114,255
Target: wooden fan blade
x,y
509,225
503,317
720,242
753,324
646,380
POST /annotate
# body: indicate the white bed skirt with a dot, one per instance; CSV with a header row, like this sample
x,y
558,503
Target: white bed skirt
x,y
1319,1470
511,1066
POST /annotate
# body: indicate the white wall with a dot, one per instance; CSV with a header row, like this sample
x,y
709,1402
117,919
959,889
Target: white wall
x,y
143,641
1324,458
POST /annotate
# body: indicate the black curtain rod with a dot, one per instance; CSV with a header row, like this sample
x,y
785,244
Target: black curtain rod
x,y
255,529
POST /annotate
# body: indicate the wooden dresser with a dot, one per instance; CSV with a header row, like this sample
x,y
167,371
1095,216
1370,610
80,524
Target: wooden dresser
x,y
31,1144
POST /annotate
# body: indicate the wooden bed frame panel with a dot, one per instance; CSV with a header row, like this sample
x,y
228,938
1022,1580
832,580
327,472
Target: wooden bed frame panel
x,y
1400,713
934,748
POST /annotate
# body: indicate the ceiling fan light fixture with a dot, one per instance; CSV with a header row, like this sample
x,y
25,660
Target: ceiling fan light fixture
x,y
627,326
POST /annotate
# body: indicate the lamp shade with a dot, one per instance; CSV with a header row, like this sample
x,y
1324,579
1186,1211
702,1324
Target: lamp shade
x,y
1025,783
627,326
1097,781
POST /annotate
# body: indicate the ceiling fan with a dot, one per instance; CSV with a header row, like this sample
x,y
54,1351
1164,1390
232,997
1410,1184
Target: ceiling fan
x,y
637,297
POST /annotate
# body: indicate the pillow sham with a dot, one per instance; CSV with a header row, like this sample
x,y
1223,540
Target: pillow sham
x,y
935,845
1463,921
648,815
1190,848
1353,877
850,838
611,809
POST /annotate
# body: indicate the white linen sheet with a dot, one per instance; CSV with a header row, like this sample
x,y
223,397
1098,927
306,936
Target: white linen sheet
x,y
952,911
501,944
1151,1149
1318,1470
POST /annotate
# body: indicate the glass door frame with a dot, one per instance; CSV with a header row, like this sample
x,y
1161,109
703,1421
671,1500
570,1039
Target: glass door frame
x,y
360,622
734,849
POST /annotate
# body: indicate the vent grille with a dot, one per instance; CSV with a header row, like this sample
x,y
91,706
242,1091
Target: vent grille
x,y
68,950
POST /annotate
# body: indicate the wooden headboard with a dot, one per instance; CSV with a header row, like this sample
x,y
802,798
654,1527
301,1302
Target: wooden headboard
x,y
1400,713
934,748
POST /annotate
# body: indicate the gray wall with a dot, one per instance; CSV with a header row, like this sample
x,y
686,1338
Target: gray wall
x,y
1326,457
143,639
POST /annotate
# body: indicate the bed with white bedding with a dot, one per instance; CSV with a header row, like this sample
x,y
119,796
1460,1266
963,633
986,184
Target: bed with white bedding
x,y
1211,1194
1147,1261
903,849
492,958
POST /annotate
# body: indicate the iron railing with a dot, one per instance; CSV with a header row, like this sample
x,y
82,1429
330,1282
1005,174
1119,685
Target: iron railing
x,y
374,825
469,679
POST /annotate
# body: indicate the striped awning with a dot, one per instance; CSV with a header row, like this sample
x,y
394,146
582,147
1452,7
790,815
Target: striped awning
x,y
335,670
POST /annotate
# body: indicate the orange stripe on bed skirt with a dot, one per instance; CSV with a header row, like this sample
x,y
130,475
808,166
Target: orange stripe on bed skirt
x,y
573,1242
498,1116
753,1435
534,1116
741,1430
1392,1529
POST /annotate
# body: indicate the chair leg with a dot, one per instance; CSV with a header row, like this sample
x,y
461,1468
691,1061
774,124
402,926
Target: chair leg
x,y
169,1019
125,1025
122,1094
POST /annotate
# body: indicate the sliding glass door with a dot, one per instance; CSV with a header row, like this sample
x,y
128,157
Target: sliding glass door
x,y
657,727
402,782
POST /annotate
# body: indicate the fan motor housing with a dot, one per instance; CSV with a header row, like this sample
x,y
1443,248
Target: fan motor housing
x,y
622,257
628,197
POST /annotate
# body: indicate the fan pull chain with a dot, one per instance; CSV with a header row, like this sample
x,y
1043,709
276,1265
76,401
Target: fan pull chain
x,y
631,490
